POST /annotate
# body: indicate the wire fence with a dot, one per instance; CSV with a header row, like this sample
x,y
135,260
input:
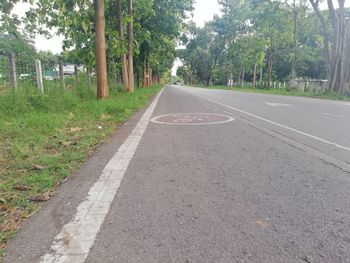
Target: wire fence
x,y
21,71
4,72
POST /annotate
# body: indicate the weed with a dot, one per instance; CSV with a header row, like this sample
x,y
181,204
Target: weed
x,y
45,138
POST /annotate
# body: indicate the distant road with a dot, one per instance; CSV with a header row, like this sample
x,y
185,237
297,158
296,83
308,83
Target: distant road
x,y
207,176
320,124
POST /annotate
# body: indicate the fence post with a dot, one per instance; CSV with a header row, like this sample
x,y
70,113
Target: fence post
x,y
12,70
39,75
61,75
76,76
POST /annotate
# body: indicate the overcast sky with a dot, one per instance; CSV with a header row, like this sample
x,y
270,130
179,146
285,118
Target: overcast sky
x,y
204,11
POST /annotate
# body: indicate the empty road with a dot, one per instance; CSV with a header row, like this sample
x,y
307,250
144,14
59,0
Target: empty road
x,y
206,176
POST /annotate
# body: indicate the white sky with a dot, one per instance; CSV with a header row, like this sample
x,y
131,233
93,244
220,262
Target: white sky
x,y
204,11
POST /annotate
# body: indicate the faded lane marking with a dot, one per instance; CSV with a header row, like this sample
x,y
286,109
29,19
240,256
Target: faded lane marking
x,y
76,238
332,115
192,119
275,104
281,125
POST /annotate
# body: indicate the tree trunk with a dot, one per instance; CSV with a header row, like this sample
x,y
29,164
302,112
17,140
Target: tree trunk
x,y
239,76
150,74
336,81
131,46
243,76
347,60
254,75
145,74
334,59
101,64
270,63
208,80
122,40
229,75
326,40
294,58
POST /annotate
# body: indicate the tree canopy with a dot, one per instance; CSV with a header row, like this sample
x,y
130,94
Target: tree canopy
x,y
277,40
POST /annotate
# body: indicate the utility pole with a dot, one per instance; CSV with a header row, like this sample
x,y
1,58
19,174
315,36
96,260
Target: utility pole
x,y
101,63
131,46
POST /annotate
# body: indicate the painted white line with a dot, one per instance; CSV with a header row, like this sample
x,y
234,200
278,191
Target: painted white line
x,y
282,126
332,115
275,104
76,238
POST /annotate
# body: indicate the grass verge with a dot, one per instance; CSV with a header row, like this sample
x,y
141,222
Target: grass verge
x,y
46,138
283,92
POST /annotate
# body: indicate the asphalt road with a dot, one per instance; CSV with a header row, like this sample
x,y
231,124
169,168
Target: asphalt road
x,y
272,185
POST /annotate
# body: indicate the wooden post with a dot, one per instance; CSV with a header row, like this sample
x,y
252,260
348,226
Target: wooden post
x,y
39,75
61,75
12,70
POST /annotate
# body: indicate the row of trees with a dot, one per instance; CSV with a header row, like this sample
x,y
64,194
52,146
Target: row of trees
x,y
270,40
137,39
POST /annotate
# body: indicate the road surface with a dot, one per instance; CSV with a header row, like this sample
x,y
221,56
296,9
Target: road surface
x,y
206,176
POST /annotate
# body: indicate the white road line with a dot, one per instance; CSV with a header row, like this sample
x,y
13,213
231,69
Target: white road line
x,y
275,104
282,126
332,115
76,238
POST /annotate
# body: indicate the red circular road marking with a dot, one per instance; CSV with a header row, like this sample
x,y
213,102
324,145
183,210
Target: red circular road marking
x,y
192,119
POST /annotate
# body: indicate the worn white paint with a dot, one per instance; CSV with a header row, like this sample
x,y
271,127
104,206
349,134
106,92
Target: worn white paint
x,y
76,238
282,126
187,119
275,104
332,115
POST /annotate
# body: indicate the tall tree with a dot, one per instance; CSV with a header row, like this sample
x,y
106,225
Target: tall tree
x,y
124,61
101,63
131,46
297,8
339,24
334,47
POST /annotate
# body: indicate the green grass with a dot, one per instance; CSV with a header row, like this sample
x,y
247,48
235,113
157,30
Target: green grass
x,y
46,138
283,92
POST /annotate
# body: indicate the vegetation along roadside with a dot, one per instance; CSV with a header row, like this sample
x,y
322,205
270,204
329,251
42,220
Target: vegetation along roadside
x,y
46,138
283,92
